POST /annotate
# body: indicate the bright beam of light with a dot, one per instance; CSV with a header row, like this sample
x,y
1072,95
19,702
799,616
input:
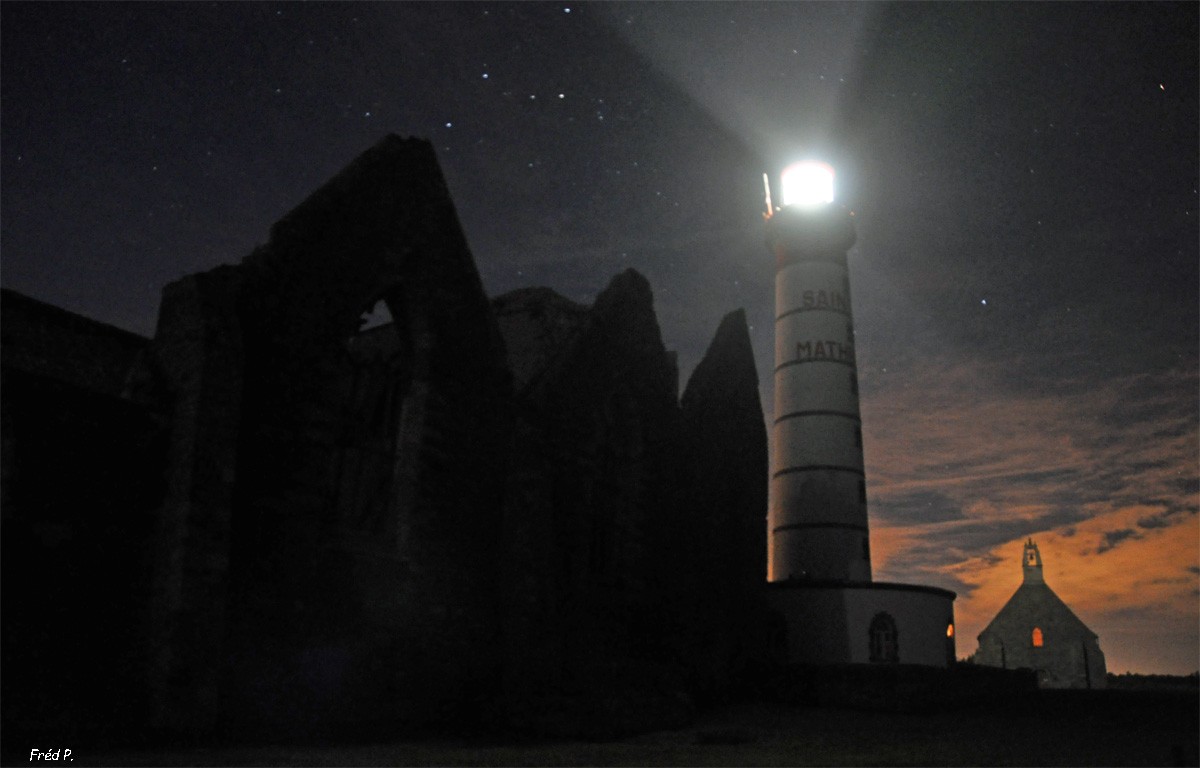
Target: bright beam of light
x,y
808,184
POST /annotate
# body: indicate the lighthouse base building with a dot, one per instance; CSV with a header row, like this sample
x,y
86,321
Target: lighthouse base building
x,y
865,623
819,554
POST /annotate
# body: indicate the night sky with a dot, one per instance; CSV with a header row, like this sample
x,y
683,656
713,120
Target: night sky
x,y
1024,178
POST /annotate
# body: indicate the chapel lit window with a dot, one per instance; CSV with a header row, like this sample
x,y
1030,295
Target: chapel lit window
x,y
1038,640
950,630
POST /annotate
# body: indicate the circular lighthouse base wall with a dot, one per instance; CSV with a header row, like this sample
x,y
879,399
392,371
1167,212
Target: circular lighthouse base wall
x,y
865,622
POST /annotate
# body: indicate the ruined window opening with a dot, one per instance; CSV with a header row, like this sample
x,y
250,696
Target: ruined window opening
x,y
885,645
374,317
1038,639
371,399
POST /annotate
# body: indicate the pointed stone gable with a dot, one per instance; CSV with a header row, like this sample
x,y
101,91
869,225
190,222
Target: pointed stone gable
x,y
726,377
724,445
333,500
1037,603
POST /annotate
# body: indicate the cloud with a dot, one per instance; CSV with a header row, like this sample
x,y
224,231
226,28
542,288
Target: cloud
x,y
962,466
1110,539
1153,521
918,507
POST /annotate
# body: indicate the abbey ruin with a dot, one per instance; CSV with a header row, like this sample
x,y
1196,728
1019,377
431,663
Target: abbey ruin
x,y
268,516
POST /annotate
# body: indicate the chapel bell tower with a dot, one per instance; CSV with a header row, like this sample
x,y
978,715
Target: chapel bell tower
x,y
1031,564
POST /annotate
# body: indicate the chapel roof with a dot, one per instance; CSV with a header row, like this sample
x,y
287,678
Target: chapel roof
x,y
1035,602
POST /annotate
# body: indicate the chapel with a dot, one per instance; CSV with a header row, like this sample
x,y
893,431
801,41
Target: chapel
x,y
1036,630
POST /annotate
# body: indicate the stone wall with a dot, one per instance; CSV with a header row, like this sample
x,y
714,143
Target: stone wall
x,y
597,420
343,550
634,523
711,543
1069,656
321,527
81,468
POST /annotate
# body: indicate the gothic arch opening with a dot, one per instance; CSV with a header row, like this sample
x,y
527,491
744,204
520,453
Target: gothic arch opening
x,y
379,396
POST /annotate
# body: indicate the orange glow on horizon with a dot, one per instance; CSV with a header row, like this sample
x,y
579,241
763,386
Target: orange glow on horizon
x,y
944,481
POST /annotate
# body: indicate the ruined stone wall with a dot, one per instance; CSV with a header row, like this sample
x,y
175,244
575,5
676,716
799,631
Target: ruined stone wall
x,y
596,426
350,556
198,350
80,478
325,527
634,527
719,530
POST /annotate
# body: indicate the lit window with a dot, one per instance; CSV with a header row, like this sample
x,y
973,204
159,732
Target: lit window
x,y
950,630
1038,640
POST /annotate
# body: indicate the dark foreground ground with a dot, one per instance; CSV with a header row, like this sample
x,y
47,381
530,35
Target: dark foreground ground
x,y
1086,728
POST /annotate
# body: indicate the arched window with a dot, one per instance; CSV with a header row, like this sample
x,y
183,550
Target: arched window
x,y
885,647
1038,639
375,375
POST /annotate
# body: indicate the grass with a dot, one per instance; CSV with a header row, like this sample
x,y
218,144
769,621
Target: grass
x,y
1069,728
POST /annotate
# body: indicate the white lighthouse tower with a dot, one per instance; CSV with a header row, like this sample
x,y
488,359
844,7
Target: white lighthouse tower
x,y
819,554
818,515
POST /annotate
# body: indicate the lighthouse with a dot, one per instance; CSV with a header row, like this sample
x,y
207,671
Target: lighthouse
x,y
818,514
819,551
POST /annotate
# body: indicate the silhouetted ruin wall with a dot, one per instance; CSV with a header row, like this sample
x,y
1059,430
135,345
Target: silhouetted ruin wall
x,y
634,524
331,518
477,510
81,469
